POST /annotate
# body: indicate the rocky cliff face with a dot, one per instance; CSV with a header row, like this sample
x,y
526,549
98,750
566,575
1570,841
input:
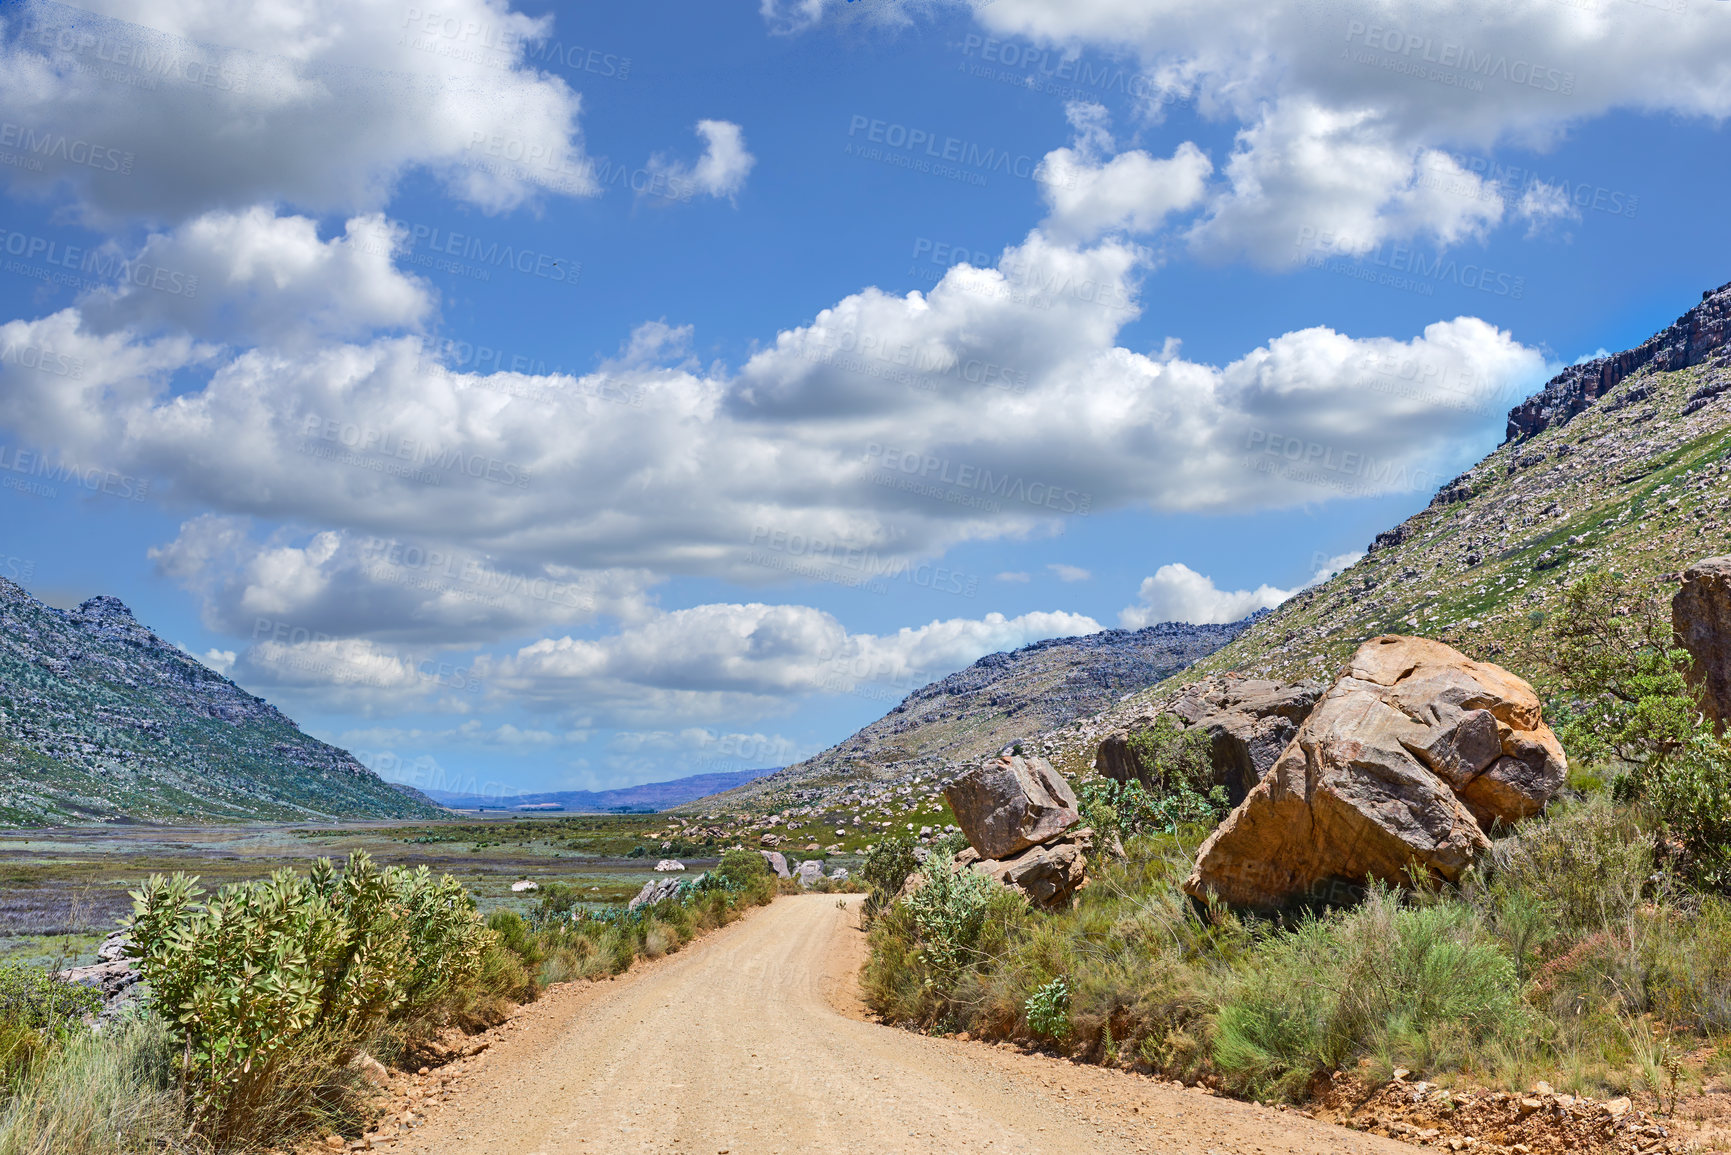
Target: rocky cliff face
x,y
1692,339
1000,699
101,720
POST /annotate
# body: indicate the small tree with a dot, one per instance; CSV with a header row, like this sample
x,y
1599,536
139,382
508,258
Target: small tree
x,y
886,869
1627,702
1172,757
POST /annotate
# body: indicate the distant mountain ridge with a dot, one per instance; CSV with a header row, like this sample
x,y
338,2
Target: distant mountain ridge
x,y
647,797
1003,697
102,720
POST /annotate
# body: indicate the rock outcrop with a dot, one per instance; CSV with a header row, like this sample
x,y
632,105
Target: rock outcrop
x,y
1690,340
1019,817
1249,722
655,890
114,975
1409,758
1701,619
1048,875
1011,803
776,862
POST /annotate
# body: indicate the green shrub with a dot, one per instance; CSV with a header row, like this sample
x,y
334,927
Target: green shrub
x,y
276,983
947,912
1588,864
1123,810
1172,757
35,999
886,869
1048,1010
1424,986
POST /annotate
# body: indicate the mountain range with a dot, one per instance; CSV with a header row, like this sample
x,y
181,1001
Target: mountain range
x,y
1003,697
102,720
645,798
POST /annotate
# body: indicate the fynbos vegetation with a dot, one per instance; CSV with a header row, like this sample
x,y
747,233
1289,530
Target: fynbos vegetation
x,y
1588,941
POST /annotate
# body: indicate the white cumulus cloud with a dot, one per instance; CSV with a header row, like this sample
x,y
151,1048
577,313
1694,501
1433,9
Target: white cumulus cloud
x,y
719,172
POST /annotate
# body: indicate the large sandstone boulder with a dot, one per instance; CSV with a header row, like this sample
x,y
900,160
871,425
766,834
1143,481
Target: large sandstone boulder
x,y
1409,758
1011,803
1701,618
1048,875
776,862
1249,722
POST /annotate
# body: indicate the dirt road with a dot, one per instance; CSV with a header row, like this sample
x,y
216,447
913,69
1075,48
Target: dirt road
x,y
749,1041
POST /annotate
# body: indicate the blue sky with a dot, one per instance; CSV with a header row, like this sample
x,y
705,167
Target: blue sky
x,y
538,397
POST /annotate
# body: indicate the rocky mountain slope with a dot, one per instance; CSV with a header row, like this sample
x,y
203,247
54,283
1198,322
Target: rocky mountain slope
x,y
1619,462
1000,699
645,797
101,720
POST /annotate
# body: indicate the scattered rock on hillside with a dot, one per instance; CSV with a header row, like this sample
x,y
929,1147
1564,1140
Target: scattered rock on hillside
x,y
1249,722
1011,803
1048,875
1410,757
808,872
669,864
654,891
114,976
1701,618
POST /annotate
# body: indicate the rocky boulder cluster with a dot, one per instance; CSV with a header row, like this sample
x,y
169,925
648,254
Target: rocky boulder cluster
x,y
1021,821
1412,756
1249,721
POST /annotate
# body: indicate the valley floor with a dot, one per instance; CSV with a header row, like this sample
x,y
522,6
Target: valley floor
x,y
753,1040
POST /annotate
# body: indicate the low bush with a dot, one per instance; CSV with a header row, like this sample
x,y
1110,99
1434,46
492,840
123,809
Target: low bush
x,y
1423,986
270,987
